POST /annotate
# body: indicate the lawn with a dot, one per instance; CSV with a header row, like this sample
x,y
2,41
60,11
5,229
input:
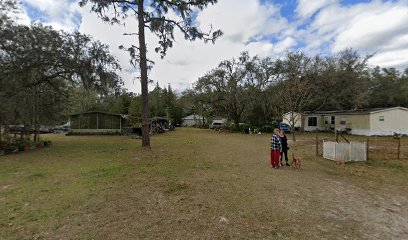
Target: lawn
x,y
196,184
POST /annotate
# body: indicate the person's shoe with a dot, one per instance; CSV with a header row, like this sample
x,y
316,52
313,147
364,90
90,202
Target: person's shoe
x,y
287,164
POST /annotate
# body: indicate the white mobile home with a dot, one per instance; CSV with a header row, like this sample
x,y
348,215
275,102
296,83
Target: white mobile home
x,y
292,116
378,121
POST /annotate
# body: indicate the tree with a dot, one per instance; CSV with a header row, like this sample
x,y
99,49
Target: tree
x,y
351,80
7,6
164,104
157,102
388,88
174,112
135,111
402,92
40,66
262,72
161,17
294,89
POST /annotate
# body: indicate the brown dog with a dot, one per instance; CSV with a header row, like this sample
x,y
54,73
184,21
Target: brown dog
x,y
296,162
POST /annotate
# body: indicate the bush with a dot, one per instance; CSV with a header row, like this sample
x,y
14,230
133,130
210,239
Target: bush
x,y
267,129
47,143
15,147
239,128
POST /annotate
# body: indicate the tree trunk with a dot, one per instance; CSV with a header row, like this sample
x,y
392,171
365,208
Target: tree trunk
x,y
1,132
22,133
143,75
6,133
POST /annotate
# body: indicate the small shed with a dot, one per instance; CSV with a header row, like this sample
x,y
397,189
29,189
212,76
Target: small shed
x,y
194,120
98,122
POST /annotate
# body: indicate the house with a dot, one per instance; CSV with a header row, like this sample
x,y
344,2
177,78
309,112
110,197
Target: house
x,y
194,120
368,122
292,116
98,122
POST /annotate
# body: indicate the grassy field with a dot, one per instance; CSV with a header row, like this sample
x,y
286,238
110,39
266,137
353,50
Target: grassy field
x,y
197,184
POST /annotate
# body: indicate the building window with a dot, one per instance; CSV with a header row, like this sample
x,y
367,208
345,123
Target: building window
x,y
343,121
312,121
333,120
381,118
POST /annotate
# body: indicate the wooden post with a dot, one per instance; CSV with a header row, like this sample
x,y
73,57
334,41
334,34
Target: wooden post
x,y
399,147
367,147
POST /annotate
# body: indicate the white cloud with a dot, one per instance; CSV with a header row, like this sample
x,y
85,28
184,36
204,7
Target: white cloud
x,y
395,58
51,7
375,27
286,44
187,61
61,14
20,16
243,21
320,26
261,48
307,8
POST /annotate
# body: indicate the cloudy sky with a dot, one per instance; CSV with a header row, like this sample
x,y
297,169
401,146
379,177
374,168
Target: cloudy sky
x,y
262,27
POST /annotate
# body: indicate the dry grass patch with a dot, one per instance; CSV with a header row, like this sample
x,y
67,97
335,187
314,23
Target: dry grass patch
x,y
195,184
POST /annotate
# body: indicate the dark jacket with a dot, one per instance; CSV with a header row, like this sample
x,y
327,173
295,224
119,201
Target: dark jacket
x,y
284,141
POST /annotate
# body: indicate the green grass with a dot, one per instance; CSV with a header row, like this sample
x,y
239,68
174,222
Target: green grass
x,y
196,184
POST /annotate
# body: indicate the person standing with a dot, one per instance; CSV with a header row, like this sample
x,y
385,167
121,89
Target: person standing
x,y
276,148
285,148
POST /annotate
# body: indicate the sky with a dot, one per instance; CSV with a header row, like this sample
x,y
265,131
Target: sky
x,y
267,28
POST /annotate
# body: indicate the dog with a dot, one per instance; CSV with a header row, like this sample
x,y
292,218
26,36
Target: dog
x,y
297,162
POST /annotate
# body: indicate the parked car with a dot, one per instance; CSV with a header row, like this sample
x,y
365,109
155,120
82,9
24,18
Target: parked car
x,y
284,127
217,125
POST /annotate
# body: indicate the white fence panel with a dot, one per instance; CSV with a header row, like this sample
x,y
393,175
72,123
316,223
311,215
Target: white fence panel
x,y
329,150
343,151
358,151
354,151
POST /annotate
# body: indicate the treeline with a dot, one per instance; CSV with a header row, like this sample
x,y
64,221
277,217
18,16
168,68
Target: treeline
x,y
258,90
46,75
42,70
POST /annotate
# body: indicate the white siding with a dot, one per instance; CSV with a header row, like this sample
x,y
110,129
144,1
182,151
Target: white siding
x,y
389,121
287,117
193,120
319,125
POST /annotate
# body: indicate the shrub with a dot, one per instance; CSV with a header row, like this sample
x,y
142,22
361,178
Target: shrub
x,y
239,128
